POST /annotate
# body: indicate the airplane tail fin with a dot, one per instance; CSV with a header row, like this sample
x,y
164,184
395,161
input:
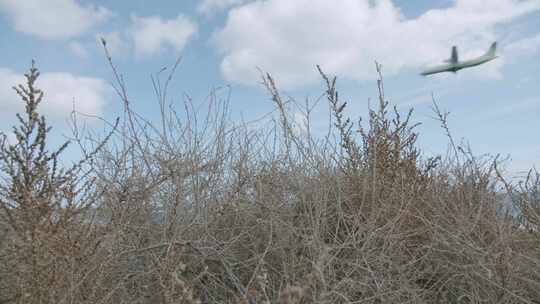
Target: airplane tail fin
x,y
492,49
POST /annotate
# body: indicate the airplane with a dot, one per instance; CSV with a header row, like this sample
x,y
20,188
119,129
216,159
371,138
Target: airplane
x,y
454,65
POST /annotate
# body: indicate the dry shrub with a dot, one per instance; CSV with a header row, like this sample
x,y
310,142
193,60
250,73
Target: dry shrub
x,y
199,209
50,238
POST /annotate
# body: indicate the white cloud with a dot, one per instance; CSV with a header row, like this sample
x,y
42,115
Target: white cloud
x,y
152,34
288,38
116,43
78,49
209,7
53,19
62,93
300,124
523,47
508,54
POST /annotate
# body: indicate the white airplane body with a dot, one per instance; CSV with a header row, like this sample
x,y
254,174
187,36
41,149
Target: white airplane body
x,y
454,65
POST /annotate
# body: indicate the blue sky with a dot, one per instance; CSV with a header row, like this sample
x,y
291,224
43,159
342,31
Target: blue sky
x,y
494,107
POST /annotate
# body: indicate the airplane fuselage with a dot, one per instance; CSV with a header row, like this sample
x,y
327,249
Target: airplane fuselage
x,y
454,67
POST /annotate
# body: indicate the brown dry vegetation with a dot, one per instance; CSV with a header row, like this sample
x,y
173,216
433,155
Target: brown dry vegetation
x,y
198,209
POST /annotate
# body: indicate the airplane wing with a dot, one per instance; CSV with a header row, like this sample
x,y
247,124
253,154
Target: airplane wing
x,y
454,56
